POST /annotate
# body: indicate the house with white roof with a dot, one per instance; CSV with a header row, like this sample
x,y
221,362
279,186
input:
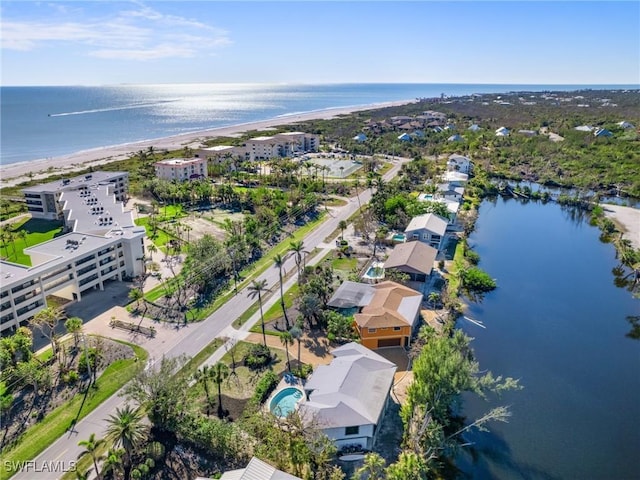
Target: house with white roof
x,y
256,469
455,138
347,399
502,132
453,206
455,178
361,137
625,125
584,128
474,128
405,137
459,163
428,228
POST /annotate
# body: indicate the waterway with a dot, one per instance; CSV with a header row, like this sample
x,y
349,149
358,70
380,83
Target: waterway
x,y
559,324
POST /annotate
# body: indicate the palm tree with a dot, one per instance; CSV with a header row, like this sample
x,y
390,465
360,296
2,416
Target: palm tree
x,y
256,288
152,249
220,372
342,226
296,332
287,339
433,298
297,248
136,295
125,429
113,461
202,376
92,447
74,327
279,260
23,235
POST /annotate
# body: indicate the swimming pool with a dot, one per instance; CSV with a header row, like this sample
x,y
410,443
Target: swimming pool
x,y
284,402
375,271
399,237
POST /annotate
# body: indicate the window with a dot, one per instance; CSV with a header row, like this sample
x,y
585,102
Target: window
x,y
352,430
371,330
415,236
425,236
397,329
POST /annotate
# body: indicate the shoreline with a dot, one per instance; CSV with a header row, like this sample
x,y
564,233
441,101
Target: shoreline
x,y
16,173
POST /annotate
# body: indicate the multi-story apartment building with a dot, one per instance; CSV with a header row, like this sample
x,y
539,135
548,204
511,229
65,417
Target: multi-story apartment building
x,y
103,245
181,169
288,144
43,201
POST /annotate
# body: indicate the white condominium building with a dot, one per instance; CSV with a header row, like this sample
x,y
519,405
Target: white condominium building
x,y
104,245
181,169
288,144
43,200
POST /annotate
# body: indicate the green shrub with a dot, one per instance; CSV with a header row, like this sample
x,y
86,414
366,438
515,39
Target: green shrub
x,y
264,387
258,356
477,281
472,256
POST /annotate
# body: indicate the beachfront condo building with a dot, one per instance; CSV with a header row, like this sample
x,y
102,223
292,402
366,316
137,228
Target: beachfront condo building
x,y
43,201
288,144
181,169
103,245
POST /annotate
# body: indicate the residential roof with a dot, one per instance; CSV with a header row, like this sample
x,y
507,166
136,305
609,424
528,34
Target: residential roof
x,y
454,176
428,221
256,469
351,294
80,181
417,256
179,161
393,305
351,390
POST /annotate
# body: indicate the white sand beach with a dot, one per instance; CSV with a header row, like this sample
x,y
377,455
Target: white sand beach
x,y
15,173
629,218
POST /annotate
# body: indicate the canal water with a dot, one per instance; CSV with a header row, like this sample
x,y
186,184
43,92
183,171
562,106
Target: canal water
x,y
558,323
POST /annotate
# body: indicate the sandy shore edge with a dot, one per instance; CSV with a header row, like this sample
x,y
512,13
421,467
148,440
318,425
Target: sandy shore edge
x,y
16,173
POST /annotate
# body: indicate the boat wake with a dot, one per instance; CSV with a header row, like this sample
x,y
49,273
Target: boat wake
x,y
111,109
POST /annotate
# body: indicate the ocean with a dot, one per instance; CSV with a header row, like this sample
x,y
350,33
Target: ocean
x,y
45,122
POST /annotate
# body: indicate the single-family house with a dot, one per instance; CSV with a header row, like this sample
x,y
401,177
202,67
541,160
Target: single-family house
x,y
405,137
256,469
455,178
602,132
584,128
418,134
502,132
413,258
438,129
391,317
625,125
428,228
453,207
347,399
450,192
459,163
474,128
449,126
361,137
455,138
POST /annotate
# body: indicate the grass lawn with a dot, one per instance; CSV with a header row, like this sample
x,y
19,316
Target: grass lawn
x,y
454,280
345,264
38,231
56,423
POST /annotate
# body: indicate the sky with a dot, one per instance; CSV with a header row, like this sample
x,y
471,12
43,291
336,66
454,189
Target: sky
x,y
150,42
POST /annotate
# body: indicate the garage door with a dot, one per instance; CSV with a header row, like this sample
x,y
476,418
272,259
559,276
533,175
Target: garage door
x,y
389,342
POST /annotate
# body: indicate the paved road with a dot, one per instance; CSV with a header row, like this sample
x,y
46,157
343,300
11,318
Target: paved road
x,y
65,450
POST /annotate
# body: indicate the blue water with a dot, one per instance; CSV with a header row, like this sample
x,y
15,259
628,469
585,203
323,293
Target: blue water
x,y
558,323
43,122
284,402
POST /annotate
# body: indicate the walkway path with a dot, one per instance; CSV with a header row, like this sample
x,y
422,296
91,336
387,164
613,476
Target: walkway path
x,y
192,339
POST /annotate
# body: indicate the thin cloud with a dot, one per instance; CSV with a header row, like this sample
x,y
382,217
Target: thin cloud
x,y
136,34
